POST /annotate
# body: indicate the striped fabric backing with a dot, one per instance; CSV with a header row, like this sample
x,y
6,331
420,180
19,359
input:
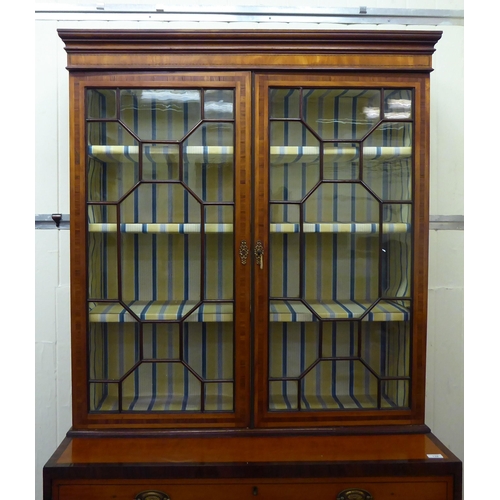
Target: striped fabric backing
x,y
332,234
145,258
162,382
348,252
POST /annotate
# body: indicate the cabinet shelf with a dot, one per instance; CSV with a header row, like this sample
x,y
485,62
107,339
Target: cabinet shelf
x,y
224,154
283,402
341,227
297,311
188,228
182,228
173,310
161,153
166,402
280,311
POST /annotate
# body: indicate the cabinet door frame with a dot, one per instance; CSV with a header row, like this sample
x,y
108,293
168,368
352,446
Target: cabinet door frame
x,y
419,82
241,83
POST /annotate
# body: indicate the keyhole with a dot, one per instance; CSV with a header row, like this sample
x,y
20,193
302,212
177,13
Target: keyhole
x,y
255,491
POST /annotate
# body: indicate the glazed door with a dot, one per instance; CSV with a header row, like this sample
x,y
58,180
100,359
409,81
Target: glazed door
x,y
335,217
163,223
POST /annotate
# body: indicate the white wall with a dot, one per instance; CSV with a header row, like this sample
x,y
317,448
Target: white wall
x,y
444,412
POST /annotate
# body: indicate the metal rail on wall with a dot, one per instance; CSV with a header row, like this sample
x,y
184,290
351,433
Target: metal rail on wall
x,y
436,222
248,14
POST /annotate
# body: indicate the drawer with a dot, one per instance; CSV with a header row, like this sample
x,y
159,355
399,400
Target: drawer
x,y
432,488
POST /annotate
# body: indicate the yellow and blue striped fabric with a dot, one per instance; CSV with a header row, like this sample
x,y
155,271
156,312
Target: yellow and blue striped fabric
x,y
145,257
349,233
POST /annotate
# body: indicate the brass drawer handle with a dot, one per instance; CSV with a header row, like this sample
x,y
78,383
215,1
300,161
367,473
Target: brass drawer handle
x,y
354,494
152,495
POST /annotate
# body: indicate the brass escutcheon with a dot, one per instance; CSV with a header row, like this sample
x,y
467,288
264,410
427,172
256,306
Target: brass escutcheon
x,y
243,252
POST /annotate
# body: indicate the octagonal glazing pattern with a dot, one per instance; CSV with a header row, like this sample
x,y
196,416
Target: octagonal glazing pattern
x,y
340,248
161,245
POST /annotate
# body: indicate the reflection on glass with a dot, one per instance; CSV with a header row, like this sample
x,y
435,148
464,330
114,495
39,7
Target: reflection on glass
x,y
218,104
340,113
398,104
160,114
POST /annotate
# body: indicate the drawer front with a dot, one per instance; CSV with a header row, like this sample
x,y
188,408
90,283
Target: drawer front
x,y
379,489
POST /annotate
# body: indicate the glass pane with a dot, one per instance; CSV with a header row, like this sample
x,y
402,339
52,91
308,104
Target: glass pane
x,y
283,395
114,349
294,162
284,103
339,385
340,339
396,251
103,397
398,104
386,347
339,204
341,251
161,341
387,160
113,161
293,347
284,250
208,349
340,113
395,394
160,114
160,162
165,386
101,103
209,162
219,104
219,396
102,252
341,161
284,265
219,252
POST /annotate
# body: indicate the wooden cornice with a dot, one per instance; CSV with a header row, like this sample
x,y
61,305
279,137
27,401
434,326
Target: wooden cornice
x,y
249,49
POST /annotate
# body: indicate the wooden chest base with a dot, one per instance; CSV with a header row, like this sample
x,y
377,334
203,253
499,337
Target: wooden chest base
x,y
383,467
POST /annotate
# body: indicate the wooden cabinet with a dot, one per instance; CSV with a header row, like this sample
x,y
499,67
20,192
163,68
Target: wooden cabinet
x,y
249,232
